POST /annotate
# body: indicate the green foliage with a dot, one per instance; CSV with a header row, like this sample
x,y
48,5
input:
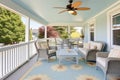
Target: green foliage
x,y
72,30
62,30
12,30
82,34
41,32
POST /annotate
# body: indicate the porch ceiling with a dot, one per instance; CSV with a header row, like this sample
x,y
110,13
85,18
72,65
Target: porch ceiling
x,y
44,9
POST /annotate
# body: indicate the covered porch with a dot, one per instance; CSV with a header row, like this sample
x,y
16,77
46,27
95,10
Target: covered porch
x,y
100,23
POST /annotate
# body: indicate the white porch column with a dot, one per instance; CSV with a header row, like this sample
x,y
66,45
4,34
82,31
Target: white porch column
x,y
27,30
27,36
45,36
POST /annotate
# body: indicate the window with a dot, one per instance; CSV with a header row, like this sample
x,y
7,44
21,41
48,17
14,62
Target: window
x,y
92,32
91,29
116,29
113,27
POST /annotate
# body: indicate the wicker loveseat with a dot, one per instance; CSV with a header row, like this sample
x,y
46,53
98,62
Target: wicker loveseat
x,y
90,49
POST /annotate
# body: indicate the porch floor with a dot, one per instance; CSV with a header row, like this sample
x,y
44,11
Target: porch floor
x,y
44,70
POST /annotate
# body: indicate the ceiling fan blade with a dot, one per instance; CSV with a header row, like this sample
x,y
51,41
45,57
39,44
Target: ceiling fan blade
x,y
76,4
74,13
62,11
60,7
83,8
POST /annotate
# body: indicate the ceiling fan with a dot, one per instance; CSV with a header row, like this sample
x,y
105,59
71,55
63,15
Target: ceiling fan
x,y
72,7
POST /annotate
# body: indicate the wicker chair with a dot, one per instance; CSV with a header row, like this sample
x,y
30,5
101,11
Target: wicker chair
x,y
52,43
74,42
109,65
43,50
59,43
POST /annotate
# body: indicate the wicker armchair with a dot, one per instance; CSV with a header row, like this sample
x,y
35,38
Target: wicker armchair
x,y
52,43
59,43
109,65
43,50
74,42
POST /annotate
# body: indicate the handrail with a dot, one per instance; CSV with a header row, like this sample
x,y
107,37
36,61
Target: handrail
x,y
13,56
15,45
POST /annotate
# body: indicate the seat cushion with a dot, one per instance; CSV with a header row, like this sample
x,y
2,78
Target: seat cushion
x,y
52,51
83,50
101,61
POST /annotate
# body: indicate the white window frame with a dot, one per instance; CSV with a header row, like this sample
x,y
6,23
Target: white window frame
x,y
110,28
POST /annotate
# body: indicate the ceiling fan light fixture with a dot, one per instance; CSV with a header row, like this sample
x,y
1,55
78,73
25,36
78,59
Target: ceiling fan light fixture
x,y
71,11
75,13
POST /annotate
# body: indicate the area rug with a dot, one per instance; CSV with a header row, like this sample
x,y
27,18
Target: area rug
x,y
68,70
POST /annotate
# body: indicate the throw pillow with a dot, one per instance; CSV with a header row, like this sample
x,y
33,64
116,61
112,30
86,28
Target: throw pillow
x,y
99,46
44,45
116,47
114,53
86,45
93,46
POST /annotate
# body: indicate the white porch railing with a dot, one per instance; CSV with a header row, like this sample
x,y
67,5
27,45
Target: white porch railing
x,y
13,56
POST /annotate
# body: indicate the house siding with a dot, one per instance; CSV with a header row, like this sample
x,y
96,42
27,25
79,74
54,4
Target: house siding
x,y
100,28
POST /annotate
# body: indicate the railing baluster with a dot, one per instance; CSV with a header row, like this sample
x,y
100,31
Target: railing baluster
x,y
15,51
13,59
4,56
2,64
18,55
7,61
10,60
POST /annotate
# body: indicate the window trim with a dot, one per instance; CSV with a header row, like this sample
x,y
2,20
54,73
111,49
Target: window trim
x,y
110,15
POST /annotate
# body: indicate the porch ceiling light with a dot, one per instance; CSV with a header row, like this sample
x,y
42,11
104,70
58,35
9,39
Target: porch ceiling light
x,y
72,12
